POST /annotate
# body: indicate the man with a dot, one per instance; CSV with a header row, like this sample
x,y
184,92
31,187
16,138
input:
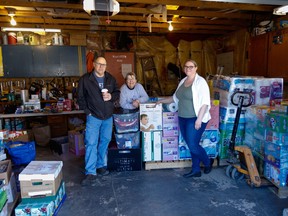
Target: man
x,y
98,105
132,93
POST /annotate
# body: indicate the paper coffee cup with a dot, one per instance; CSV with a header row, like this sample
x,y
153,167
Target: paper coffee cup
x,y
104,90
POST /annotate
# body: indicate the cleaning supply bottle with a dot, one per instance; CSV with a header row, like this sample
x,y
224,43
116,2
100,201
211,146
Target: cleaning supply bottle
x,y
55,40
60,38
20,39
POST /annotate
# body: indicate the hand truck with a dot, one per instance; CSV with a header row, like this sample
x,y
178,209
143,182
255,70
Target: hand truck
x,y
241,160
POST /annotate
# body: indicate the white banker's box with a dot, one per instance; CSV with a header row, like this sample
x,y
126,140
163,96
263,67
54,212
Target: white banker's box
x,y
40,178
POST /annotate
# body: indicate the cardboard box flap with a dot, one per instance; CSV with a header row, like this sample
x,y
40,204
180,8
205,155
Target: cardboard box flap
x,y
41,170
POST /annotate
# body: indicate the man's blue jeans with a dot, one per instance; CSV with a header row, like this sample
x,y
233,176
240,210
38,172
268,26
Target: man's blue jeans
x,y
97,137
192,138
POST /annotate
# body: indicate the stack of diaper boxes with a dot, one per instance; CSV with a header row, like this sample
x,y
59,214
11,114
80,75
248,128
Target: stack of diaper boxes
x,y
163,141
210,137
151,129
276,147
261,90
127,154
42,188
170,135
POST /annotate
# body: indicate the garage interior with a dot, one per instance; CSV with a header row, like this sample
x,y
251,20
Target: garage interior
x,y
240,38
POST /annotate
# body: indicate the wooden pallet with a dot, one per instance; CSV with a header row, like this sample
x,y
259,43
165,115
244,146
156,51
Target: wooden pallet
x,y
281,192
171,164
167,164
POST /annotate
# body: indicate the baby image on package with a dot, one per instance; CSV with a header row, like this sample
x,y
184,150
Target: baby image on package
x,y
150,117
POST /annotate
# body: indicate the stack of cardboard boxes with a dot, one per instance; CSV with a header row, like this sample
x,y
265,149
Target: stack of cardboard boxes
x,y
42,188
164,142
8,189
151,126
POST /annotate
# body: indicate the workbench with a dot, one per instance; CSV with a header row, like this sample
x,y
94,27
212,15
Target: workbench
x,y
58,122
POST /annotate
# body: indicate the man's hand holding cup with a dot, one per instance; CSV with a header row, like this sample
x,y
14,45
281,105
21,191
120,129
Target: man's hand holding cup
x,y
105,94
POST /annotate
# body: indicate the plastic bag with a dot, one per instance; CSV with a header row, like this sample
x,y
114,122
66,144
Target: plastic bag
x,y
21,152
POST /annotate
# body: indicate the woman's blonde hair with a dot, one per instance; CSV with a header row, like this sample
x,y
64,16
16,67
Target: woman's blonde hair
x,y
193,61
130,74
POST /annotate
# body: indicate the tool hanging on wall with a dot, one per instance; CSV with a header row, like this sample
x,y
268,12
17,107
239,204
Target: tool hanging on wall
x,y
35,88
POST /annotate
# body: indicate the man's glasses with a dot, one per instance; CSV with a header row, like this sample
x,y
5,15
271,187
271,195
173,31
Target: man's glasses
x,y
101,65
189,67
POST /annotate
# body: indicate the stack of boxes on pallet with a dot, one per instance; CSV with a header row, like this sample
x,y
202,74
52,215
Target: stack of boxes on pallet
x,y
170,136
269,140
126,155
210,137
163,141
262,91
42,188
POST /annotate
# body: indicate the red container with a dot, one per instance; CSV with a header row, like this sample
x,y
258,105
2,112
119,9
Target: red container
x,y
12,39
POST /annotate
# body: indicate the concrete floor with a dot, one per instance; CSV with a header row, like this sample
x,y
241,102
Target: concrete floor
x,y
161,192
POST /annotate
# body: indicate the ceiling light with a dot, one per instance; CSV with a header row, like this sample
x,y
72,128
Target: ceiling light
x,y
101,7
36,30
170,27
12,21
172,7
281,10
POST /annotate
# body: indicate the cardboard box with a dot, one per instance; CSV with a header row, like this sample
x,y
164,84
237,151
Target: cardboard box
x,y
276,137
157,145
209,141
152,146
4,211
147,146
40,178
276,175
228,115
213,123
23,209
277,122
4,134
183,149
54,200
11,189
124,159
275,154
76,142
150,117
6,170
170,148
3,198
170,124
43,209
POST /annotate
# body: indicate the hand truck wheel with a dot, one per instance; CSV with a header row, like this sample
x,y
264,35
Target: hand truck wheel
x,y
236,175
229,169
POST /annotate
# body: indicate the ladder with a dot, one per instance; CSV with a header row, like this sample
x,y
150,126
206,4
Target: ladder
x,y
150,76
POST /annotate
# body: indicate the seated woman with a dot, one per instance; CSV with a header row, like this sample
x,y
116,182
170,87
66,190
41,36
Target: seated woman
x,y
132,93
